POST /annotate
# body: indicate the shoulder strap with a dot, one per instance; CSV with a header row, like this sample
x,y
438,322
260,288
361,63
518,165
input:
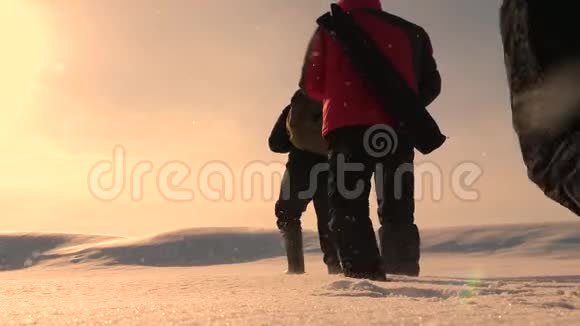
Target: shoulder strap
x,y
381,76
416,35
352,33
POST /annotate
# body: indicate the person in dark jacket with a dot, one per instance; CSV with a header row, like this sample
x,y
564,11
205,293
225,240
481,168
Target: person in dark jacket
x,y
351,112
305,180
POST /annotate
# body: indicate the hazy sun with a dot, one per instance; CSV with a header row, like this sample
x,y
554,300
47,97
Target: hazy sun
x,y
23,50
27,154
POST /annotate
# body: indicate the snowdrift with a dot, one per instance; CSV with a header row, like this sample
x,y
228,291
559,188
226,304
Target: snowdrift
x,y
194,247
204,247
560,240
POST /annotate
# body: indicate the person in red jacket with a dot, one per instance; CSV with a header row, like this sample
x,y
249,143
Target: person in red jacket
x,y
350,112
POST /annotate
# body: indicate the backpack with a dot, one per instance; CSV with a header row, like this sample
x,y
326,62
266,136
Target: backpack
x,y
304,124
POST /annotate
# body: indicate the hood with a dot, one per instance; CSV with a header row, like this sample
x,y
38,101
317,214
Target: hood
x,y
348,5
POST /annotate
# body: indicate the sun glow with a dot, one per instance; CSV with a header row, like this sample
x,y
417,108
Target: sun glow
x,y
23,44
24,59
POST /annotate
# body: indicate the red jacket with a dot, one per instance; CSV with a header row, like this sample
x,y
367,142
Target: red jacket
x,y
329,77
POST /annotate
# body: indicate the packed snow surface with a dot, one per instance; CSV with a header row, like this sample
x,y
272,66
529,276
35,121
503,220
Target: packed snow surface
x,y
513,275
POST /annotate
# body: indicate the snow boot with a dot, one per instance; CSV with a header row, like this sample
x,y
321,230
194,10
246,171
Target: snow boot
x,y
400,249
330,256
334,268
294,249
377,276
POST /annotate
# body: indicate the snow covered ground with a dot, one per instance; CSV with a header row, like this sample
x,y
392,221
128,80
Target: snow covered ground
x,y
518,275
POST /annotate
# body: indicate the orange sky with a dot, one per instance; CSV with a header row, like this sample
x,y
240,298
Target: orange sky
x,y
201,81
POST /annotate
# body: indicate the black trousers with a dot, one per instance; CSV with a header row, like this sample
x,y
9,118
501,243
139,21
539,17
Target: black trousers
x,y
351,169
305,181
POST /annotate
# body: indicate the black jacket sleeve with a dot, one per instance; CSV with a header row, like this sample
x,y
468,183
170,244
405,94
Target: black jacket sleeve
x,y
279,140
430,79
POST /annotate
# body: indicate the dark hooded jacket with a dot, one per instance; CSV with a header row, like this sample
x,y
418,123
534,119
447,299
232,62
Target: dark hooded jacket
x,y
542,52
